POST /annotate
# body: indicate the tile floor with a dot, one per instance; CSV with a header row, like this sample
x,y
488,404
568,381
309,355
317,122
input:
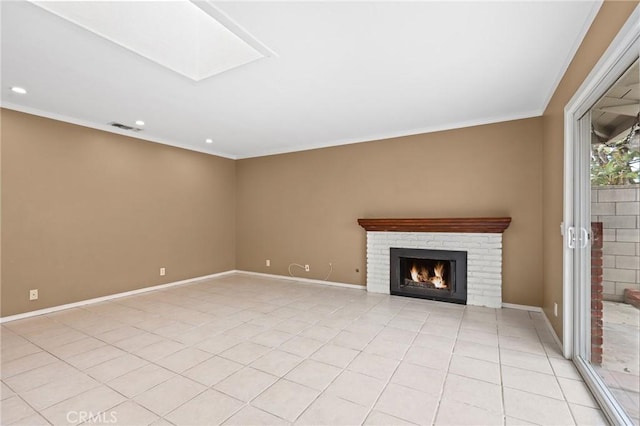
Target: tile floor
x,y
243,350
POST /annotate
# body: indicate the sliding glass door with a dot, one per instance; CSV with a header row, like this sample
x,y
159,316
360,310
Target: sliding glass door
x,y
604,244
615,258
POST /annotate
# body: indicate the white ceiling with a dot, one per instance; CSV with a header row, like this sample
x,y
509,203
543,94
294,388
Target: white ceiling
x,y
342,72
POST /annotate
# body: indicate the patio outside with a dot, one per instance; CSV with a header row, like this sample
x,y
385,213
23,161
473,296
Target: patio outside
x,y
620,367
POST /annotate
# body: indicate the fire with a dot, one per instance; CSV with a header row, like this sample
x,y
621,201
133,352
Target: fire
x,y
414,273
421,275
438,280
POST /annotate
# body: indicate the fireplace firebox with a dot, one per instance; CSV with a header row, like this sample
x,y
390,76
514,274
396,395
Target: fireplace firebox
x,y
429,274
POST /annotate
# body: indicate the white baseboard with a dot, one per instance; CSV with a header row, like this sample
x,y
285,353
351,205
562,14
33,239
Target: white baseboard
x,y
554,335
522,307
546,320
111,297
167,285
303,280
220,274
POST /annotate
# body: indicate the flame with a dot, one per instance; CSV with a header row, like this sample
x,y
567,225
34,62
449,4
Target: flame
x,y
420,275
414,273
438,269
438,280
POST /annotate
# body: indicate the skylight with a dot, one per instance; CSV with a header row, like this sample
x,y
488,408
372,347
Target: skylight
x,y
178,35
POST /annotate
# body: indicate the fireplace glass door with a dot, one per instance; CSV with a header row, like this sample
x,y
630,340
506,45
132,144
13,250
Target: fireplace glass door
x,y
429,274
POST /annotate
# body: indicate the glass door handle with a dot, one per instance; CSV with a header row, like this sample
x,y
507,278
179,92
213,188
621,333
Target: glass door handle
x,y
585,237
571,237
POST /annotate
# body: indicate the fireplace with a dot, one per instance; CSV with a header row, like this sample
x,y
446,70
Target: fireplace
x,y
480,237
429,274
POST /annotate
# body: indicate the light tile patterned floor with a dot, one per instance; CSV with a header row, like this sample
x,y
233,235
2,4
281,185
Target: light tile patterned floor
x,y
242,350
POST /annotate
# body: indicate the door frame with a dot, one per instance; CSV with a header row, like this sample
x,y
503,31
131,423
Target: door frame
x,y
622,52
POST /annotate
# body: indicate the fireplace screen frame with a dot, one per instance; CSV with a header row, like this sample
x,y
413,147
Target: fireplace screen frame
x,y
457,292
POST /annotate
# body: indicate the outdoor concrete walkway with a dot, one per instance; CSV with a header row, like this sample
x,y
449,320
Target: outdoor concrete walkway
x,y
621,355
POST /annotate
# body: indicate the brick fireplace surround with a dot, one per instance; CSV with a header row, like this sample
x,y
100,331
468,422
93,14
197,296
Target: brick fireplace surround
x,y
481,238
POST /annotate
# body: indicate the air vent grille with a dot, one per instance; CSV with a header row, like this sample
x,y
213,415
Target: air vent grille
x,y
125,127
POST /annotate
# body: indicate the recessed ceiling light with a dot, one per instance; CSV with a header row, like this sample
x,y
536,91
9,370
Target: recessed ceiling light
x,y
209,140
139,122
19,90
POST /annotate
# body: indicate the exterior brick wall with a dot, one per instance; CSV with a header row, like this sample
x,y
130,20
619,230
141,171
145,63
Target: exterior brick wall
x,y
596,293
484,260
618,209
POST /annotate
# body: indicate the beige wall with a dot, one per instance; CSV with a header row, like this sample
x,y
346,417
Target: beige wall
x,y
303,207
87,213
611,17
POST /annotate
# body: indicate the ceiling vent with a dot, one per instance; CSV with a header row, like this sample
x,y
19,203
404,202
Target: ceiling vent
x,y
125,127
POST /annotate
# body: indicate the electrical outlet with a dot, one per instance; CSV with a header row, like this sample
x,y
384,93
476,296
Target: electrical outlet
x,y
555,309
33,294
268,262
306,268
163,271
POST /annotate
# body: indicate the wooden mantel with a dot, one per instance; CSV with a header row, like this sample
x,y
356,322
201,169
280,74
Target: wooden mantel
x,y
495,225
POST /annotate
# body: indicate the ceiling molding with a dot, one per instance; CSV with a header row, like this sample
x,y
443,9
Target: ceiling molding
x,y
264,153
399,134
572,53
110,129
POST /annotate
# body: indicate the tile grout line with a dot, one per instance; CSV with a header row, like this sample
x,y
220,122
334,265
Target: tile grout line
x,y
343,369
402,359
444,382
298,334
39,412
562,391
504,405
112,344
248,403
394,370
207,387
